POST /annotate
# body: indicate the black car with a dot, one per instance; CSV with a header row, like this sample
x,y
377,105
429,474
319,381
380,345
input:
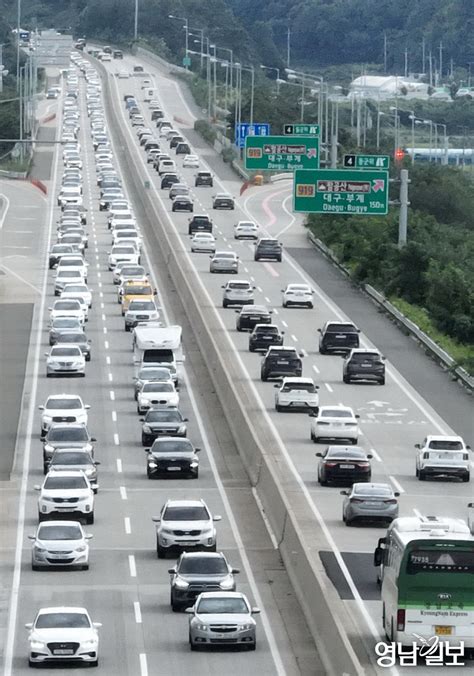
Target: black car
x,y
197,572
172,456
203,178
223,201
249,317
344,464
163,422
199,223
364,365
175,140
183,149
56,252
167,180
338,337
157,114
280,362
269,249
263,336
118,54
77,338
182,203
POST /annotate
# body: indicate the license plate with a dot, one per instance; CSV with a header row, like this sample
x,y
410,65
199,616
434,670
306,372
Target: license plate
x,y
374,504
441,630
340,336
346,466
65,509
174,469
282,362
64,651
142,316
366,366
254,319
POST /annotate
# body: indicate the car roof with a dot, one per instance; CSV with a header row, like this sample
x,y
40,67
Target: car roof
x,y
335,407
297,379
64,396
223,595
443,437
184,503
62,609
254,309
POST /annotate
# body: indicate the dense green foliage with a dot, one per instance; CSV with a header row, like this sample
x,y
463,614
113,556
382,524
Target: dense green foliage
x,y
436,269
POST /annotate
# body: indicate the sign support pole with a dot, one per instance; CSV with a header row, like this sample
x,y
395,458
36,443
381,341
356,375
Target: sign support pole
x,y
404,203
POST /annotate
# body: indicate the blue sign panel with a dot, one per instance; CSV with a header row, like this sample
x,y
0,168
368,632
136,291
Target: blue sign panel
x,y
244,129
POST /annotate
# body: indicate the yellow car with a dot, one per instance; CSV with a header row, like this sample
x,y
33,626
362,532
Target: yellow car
x,y
136,291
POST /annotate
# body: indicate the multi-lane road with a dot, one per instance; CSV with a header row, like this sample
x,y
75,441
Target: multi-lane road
x,y
126,587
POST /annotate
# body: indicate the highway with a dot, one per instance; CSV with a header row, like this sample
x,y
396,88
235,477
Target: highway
x,y
126,587
393,418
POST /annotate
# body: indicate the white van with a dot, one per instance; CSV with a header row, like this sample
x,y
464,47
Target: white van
x,y
158,346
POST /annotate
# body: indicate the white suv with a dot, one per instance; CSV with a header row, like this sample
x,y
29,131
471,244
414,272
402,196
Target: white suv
x,y
297,393
442,456
68,493
238,292
62,408
185,524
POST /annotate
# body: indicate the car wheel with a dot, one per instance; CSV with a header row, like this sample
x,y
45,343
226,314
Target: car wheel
x,y
278,408
41,517
224,303
45,469
417,472
421,475
95,663
160,551
251,349
85,566
263,377
322,350
33,567
312,437
353,442
310,305
90,518
349,523
382,381
346,379
127,328
193,646
323,482
88,357
32,664
252,646
195,474
466,477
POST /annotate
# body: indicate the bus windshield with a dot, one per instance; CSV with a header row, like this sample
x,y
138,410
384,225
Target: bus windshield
x,y
432,560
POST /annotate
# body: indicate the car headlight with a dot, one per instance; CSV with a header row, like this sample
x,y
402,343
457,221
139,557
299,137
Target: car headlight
x,y
91,642
40,550
181,584
147,429
88,472
37,645
227,583
182,429
245,627
76,364
152,465
47,419
194,464
82,548
201,627
166,531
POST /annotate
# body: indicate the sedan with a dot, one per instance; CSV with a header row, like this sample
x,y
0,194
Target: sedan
x,y
60,543
224,261
223,618
156,394
63,634
203,242
62,408
78,338
67,308
66,493
369,502
63,325
81,301
64,459
344,464
125,271
171,456
78,290
66,435
183,203
297,294
123,253
56,252
64,277
65,360
335,422
246,230
191,161
249,317
167,422
223,201
148,374
197,572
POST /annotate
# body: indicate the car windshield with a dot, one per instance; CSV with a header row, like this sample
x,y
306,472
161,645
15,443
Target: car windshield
x,y
62,621
158,387
283,354
137,291
239,285
68,274
298,287
198,513
335,413
61,248
71,458
164,415
124,250
66,322
76,288
58,404
154,374
68,433
64,482
203,565
367,489
224,254
142,305
445,445
246,224
365,356
341,328
172,446
227,605
65,352
355,453
266,329
59,532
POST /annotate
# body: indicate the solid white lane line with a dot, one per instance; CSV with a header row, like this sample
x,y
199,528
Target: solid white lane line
x,y
265,519
375,454
294,338
107,359
315,368
143,665
114,416
137,611
396,484
123,493
112,395
116,439
127,525
132,565
328,387
119,465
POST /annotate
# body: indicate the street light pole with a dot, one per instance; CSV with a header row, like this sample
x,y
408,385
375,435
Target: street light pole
x,y
18,44
288,47
135,25
412,118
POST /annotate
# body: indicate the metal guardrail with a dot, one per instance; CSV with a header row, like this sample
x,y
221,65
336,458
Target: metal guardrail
x,y
433,349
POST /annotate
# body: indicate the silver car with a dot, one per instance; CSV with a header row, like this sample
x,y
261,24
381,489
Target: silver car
x,y
64,459
65,360
222,618
224,261
63,325
369,502
60,543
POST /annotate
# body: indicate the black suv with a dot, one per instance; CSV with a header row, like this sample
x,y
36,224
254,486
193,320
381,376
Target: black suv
x,y
364,365
263,336
168,180
199,223
249,317
162,422
280,362
270,249
338,337
157,114
197,572
172,456
204,178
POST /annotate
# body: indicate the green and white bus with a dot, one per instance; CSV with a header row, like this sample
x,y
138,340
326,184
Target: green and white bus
x,y
426,572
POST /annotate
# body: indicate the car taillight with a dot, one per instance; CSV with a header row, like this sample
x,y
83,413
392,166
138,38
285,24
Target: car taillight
x,y
392,501
350,424
356,500
401,619
362,464
331,464
323,423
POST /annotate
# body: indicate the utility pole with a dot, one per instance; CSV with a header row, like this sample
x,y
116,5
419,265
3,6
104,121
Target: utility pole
x,y
441,61
431,68
135,23
288,47
404,203
406,62
385,53
423,60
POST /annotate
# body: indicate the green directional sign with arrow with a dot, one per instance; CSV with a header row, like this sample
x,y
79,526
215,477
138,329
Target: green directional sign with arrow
x,y
281,153
333,191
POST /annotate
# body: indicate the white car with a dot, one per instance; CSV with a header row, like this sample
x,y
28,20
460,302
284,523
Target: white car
x,y
443,456
155,394
73,262
64,277
140,311
297,393
65,360
123,253
297,294
246,230
124,272
191,161
224,261
185,524
80,299
68,408
78,290
62,633
118,215
127,237
166,167
68,493
70,195
238,292
67,308
60,543
335,422
203,242
123,75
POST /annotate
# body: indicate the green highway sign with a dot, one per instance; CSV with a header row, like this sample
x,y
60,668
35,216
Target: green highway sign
x,y
301,129
367,161
280,153
186,61
333,191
